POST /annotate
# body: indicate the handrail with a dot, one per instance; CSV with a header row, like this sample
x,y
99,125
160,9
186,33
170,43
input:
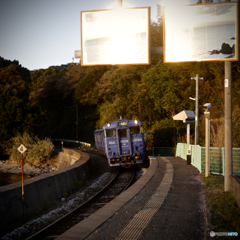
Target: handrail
x,y
74,141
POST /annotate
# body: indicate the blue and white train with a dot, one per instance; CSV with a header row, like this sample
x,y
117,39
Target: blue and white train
x,y
122,142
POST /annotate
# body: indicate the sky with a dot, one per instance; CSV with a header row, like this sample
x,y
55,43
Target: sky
x,y
45,33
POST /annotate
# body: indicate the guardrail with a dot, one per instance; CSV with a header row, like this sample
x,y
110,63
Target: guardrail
x,y
216,158
73,141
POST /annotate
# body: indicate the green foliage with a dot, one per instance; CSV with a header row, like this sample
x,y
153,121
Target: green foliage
x,y
5,63
236,127
224,208
46,102
17,115
38,151
39,77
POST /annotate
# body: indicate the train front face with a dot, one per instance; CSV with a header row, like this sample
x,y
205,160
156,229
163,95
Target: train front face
x,y
124,142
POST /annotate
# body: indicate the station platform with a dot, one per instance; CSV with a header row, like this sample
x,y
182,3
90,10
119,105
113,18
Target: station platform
x,y
167,202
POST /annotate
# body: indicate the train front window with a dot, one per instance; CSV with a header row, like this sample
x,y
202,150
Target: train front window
x,y
110,132
135,130
123,133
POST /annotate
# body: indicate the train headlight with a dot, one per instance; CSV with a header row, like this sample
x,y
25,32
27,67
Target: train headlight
x,y
108,124
136,122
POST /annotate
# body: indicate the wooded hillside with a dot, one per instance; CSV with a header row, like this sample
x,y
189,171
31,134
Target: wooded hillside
x,y
45,102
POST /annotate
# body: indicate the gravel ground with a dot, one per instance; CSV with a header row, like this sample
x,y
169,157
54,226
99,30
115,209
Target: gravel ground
x,y
8,166
15,168
101,173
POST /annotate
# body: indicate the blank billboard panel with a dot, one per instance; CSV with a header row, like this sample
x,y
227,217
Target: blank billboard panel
x,y
201,32
120,36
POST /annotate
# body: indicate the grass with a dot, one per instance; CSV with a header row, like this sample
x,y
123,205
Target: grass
x,y
225,212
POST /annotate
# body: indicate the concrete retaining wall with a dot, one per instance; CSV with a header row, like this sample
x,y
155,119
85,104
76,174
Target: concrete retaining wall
x,y
67,158
235,188
40,192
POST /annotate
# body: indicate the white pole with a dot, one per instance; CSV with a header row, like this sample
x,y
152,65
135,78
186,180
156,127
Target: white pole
x,y
207,143
188,133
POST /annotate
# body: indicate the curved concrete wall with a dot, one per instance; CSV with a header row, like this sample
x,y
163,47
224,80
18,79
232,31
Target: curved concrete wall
x,y
67,157
40,192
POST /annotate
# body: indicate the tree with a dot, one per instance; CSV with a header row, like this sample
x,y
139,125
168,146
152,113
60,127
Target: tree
x,y
39,77
16,113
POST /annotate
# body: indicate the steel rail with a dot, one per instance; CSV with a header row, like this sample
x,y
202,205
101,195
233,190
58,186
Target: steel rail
x,y
42,232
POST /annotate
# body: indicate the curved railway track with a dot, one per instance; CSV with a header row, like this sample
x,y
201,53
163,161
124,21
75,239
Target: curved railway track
x,y
121,181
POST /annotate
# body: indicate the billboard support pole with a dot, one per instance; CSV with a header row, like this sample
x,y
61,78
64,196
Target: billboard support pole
x,y
228,161
228,125
120,3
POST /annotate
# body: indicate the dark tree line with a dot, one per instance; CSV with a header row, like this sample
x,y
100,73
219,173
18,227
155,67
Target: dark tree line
x,y
45,102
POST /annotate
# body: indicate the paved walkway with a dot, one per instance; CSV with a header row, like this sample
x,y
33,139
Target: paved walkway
x,y
168,202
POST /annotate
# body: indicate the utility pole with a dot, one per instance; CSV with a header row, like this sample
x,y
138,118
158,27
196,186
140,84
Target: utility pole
x,y
196,108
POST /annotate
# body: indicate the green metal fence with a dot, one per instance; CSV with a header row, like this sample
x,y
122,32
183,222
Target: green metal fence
x,y
196,159
182,150
163,151
216,158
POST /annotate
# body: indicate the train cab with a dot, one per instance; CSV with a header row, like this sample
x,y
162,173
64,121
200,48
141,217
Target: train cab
x,y
123,142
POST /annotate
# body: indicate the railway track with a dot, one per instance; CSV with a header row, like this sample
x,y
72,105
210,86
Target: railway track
x,y
121,181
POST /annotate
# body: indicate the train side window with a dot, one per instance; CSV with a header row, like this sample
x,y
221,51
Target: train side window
x,y
110,132
123,133
135,130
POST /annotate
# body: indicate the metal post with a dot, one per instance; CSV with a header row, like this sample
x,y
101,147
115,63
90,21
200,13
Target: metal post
x,y
207,143
196,110
22,193
228,125
188,133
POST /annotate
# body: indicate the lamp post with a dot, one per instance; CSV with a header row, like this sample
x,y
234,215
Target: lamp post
x,y
206,107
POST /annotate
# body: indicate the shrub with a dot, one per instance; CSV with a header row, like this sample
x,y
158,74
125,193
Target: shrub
x,y
38,151
218,129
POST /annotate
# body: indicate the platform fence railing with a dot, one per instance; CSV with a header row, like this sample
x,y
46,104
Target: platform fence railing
x,y
216,158
61,141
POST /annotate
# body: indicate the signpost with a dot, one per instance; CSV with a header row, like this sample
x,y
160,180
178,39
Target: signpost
x,y
22,149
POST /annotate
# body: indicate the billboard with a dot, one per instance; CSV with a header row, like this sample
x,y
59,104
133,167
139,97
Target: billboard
x,y
110,37
201,32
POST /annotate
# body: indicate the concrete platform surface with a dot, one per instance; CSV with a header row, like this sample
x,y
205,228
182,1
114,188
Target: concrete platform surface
x,y
167,202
